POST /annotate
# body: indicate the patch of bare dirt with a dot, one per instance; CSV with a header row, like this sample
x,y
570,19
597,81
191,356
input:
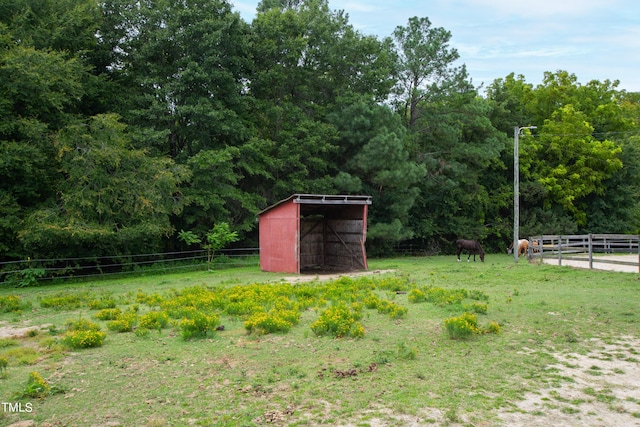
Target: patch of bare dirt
x,y
600,263
322,277
600,388
8,331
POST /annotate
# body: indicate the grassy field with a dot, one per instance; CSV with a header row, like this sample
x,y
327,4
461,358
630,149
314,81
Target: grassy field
x,y
406,370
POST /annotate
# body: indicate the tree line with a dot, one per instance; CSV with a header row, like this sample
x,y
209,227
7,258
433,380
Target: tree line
x,y
125,123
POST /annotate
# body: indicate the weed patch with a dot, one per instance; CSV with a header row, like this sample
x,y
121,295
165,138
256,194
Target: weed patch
x,y
13,304
83,333
154,320
196,323
125,322
64,301
108,314
37,387
339,321
273,322
22,355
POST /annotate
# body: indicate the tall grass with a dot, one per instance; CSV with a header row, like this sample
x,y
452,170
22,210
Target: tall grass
x,y
403,369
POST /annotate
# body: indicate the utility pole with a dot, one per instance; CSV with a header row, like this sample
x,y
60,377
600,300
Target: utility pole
x,y
516,189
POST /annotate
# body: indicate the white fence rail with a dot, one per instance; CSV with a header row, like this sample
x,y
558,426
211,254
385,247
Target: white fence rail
x,y
590,248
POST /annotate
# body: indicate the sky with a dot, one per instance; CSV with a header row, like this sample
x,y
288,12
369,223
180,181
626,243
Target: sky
x,y
593,39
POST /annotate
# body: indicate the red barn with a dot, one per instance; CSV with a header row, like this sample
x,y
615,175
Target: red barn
x,y
311,232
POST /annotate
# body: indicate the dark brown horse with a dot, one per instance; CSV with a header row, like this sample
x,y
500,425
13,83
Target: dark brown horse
x,y
472,247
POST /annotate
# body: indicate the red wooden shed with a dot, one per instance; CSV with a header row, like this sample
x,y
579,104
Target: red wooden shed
x,y
312,232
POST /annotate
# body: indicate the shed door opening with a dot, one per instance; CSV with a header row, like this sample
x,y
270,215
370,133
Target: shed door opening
x,y
332,238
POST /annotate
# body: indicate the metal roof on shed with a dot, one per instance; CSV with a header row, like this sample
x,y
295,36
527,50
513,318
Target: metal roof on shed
x,y
321,199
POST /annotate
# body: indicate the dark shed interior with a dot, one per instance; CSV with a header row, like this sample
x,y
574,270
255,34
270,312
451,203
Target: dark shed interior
x,y
331,237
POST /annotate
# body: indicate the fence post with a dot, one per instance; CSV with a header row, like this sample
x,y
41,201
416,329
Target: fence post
x,y
590,251
560,250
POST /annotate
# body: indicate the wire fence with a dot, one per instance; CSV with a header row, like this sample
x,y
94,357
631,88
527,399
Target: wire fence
x,y
33,271
30,272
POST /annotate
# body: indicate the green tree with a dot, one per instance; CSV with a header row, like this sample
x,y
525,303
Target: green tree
x,y
374,159
616,209
182,66
451,136
214,191
466,188
426,69
574,163
510,99
43,79
114,199
66,26
217,238
307,58
571,176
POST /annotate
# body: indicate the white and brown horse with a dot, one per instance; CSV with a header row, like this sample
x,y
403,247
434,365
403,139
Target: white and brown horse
x,y
472,247
523,247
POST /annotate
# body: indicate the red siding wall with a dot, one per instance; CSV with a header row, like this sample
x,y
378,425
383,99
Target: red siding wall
x,y
279,237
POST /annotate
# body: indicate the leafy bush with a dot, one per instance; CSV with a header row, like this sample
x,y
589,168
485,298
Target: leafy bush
x,y
123,323
478,295
272,322
24,278
108,314
338,321
154,320
462,327
438,296
242,307
417,295
493,328
271,308
197,324
84,339
394,310
81,325
63,301
83,333
12,304
393,283
38,387
153,300
141,332
476,307
102,303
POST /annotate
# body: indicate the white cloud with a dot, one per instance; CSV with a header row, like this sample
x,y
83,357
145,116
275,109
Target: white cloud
x,y
541,8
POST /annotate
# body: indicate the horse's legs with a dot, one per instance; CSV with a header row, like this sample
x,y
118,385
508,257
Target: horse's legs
x,y
458,253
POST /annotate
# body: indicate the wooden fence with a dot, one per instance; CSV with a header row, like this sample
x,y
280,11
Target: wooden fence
x,y
590,248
